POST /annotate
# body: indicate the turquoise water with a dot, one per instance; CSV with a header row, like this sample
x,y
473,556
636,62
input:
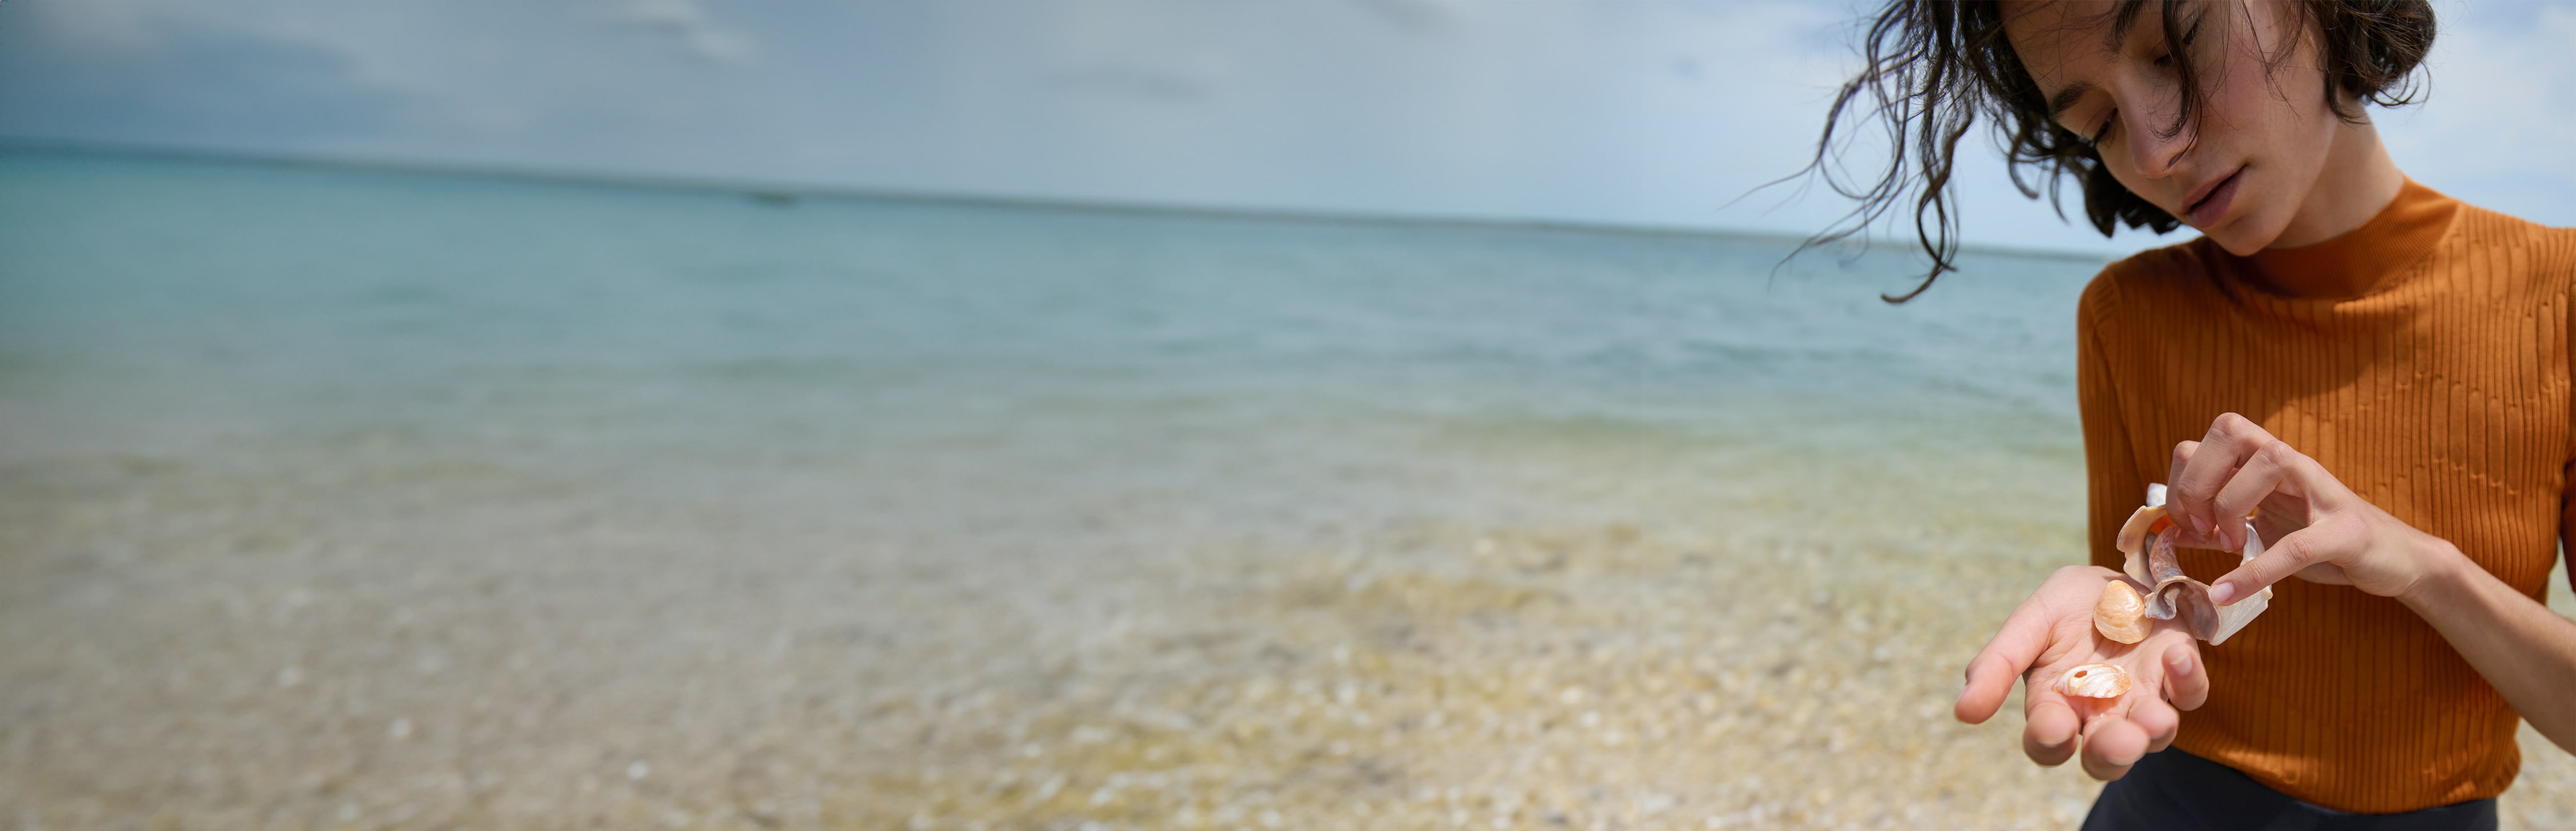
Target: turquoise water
x,y
1006,359
325,493
332,496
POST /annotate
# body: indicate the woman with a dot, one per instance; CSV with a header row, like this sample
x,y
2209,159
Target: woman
x,y
2383,371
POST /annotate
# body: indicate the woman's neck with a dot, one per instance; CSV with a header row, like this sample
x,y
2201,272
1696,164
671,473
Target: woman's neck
x,y
2358,181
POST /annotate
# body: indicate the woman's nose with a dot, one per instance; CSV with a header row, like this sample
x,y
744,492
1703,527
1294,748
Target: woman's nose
x,y
2156,148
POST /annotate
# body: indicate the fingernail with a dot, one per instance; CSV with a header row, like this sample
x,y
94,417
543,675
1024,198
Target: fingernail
x,y
2221,593
2178,663
2199,527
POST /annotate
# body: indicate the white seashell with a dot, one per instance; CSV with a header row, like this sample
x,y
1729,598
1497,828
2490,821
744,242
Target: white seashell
x,y
2132,540
2151,561
2121,614
2095,681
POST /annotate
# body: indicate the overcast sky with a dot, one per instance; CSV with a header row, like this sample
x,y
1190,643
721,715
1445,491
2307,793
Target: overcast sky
x,y
1655,113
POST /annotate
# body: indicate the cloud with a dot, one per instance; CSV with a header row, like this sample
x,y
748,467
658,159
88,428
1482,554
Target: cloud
x,y
1131,81
120,73
461,82
1414,16
687,22
1645,113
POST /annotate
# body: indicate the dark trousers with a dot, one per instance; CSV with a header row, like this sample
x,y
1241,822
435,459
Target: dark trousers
x,y
2173,790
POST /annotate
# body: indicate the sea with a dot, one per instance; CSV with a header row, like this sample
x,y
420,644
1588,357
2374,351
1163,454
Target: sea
x,y
346,497
1266,372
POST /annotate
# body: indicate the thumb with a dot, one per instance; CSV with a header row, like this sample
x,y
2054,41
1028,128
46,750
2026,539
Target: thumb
x,y
2012,651
2186,680
2300,549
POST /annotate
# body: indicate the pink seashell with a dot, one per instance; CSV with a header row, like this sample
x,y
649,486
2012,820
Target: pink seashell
x,y
2095,681
2121,614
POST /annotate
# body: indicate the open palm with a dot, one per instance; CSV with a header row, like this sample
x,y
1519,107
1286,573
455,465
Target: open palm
x,y
2052,632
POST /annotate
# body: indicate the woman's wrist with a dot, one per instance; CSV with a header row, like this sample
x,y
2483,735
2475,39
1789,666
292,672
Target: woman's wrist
x,y
2441,572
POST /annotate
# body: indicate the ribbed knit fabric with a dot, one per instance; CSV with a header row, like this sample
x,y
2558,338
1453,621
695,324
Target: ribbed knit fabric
x,y
2436,387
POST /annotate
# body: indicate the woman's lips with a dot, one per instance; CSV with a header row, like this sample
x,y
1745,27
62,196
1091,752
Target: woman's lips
x,y
2214,206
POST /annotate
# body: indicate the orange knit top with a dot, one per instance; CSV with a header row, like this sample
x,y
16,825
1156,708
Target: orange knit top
x,y
2436,385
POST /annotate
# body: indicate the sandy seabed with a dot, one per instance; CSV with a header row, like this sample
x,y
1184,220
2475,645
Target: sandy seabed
x,y
426,644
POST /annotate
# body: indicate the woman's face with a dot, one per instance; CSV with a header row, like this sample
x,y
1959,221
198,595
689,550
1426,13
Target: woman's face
x,y
2247,164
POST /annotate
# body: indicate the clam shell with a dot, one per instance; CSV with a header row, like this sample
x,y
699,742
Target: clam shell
x,y
2094,681
2121,614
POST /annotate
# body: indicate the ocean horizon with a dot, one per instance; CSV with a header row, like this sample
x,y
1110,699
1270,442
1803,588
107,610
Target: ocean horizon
x,y
785,192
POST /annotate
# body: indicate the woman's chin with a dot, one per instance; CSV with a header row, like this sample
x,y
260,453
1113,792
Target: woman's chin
x,y
2243,235
2237,244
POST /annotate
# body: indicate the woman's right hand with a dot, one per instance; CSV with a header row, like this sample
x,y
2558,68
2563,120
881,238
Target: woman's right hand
x,y
2053,632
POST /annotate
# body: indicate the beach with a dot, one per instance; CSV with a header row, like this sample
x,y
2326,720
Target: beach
x,y
337,498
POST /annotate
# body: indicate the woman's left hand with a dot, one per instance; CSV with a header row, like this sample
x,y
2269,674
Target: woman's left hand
x,y
2313,526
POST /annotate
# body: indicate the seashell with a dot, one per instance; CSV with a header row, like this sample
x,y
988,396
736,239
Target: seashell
x,y
2143,523
2147,541
2094,681
2121,614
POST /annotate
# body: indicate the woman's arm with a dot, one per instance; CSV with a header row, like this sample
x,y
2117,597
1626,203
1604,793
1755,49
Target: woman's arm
x,y
2526,651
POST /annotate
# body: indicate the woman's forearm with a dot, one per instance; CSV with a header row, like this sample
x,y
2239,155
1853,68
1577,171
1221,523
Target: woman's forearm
x,y
2526,651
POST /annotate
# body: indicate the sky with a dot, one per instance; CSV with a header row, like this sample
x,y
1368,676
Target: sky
x,y
1629,113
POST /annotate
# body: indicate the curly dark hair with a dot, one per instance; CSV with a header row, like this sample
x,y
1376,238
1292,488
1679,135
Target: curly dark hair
x,y
1932,68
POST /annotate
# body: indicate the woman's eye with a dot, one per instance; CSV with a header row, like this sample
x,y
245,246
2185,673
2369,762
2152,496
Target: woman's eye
x,y
2104,131
2173,48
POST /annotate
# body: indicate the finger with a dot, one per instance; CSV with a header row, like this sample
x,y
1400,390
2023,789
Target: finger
x,y
2048,736
2186,680
2111,746
2158,720
2182,453
2286,556
2262,474
1991,674
2231,440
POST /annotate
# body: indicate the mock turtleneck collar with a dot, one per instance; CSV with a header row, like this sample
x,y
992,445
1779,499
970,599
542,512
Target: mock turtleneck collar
x,y
2361,260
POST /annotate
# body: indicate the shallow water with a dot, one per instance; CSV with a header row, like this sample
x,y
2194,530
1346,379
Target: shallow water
x,y
342,498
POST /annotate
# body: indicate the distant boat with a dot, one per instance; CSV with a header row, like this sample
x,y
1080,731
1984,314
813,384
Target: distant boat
x,y
773,198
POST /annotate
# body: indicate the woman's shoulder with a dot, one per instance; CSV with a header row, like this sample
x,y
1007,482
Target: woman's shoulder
x,y
2156,277
2550,247
2191,272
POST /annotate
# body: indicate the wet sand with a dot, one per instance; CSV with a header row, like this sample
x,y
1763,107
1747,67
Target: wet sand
x,y
399,641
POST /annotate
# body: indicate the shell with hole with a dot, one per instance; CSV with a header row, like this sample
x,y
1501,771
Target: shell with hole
x,y
2121,614
2147,542
2095,681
